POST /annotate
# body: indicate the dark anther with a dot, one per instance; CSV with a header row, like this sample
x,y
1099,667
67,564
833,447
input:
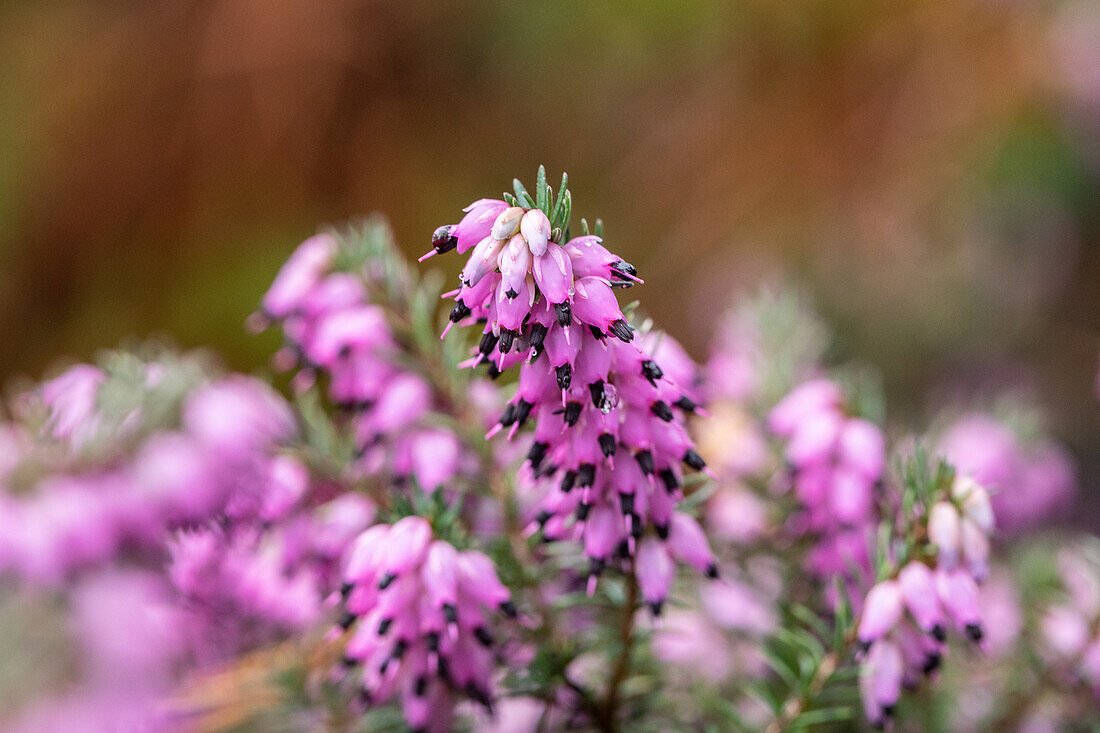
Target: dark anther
x,y
421,686
537,453
596,566
572,413
582,511
568,480
624,267
444,669
932,662
974,631
348,661
627,502
488,343
645,461
433,641
596,333
655,607
564,313
384,626
662,531
512,294
661,409
565,376
450,613
508,417
399,649
476,694
669,477
507,337
483,636
442,239
865,646
635,526
386,580
607,444
459,312
651,371
494,371
544,517
938,633
523,410
508,609
622,331
712,571
346,589
537,336
694,460
346,620
596,390
586,474
686,404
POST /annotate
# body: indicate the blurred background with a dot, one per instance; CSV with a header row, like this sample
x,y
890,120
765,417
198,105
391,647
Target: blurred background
x,y
928,172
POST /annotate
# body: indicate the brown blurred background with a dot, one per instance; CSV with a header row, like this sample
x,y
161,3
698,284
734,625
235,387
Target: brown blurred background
x,y
929,171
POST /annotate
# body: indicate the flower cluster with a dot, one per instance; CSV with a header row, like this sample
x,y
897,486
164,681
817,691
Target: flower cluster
x,y
147,479
835,461
609,435
415,606
325,298
906,617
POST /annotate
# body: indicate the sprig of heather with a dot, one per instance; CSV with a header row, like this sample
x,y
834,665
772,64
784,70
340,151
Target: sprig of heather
x,y
415,608
835,461
154,478
609,433
907,613
352,313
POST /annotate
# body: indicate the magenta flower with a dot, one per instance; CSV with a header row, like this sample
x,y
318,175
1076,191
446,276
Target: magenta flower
x,y
415,606
609,434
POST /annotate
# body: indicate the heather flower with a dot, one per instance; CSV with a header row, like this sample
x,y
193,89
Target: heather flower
x,y
333,308
835,462
609,432
415,608
905,617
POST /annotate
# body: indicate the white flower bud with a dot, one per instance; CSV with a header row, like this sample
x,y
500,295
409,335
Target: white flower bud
x,y
943,531
507,223
535,228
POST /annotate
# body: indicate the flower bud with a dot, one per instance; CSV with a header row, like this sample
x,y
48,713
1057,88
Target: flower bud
x,y
918,590
943,531
535,228
881,611
688,543
880,681
958,593
975,502
655,571
507,223
975,548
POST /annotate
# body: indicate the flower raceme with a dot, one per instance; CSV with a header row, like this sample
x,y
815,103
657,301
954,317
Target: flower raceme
x,y
420,633
905,617
609,433
333,326
836,460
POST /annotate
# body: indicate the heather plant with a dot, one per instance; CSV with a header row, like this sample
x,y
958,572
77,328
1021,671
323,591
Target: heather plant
x,y
551,518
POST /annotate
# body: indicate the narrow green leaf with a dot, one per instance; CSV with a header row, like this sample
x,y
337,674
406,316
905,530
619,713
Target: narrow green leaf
x,y
541,199
517,186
